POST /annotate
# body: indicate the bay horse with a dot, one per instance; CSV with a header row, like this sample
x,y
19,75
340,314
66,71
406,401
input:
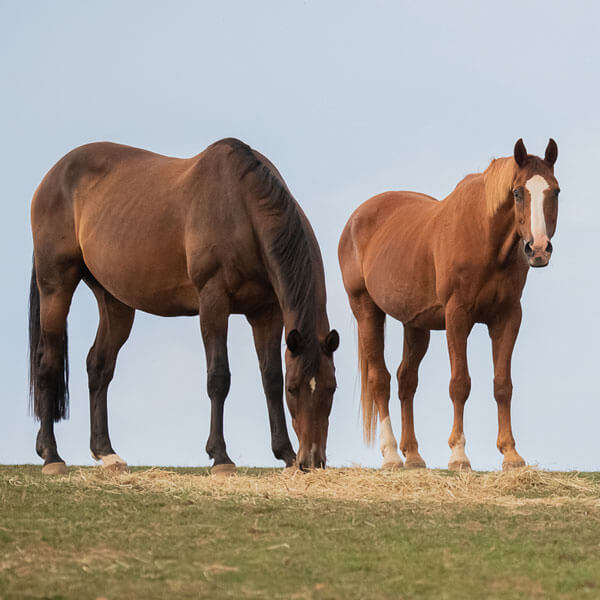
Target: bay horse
x,y
447,265
212,235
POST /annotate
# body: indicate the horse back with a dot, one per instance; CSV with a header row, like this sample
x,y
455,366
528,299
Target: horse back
x,y
149,228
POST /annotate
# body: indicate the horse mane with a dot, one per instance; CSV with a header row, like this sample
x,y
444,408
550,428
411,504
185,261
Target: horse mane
x,y
287,244
498,179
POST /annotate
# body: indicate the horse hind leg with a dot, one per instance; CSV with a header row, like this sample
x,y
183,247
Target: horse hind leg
x,y
54,287
116,320
375,378
416,342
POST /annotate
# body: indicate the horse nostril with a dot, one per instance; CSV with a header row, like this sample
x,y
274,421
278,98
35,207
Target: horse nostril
x,y
549,248
528,249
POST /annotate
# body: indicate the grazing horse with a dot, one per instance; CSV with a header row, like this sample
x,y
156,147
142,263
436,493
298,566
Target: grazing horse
x,y
447,265
212,235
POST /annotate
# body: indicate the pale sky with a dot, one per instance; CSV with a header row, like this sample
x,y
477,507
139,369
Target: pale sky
x,y
347,99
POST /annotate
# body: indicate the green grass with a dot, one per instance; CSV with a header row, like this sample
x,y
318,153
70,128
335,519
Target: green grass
x,y
60,538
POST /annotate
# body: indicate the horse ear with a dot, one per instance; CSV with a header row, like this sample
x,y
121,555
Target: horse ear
x,y
332,341
551,152
520,152
294,341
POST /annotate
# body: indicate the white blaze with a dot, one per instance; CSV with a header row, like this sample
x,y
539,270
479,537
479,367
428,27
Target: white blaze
x,y
313,385
536,186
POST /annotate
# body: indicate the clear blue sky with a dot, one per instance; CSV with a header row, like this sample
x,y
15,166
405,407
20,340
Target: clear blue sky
x,y
348,99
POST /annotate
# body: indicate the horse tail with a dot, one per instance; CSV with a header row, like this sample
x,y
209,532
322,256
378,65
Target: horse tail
x,y
60,401
367,402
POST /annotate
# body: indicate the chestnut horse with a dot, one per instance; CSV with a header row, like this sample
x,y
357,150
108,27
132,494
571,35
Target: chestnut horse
x,y
447,265
213,235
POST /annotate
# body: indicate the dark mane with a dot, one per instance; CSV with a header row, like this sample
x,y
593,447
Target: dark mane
x,y
288,245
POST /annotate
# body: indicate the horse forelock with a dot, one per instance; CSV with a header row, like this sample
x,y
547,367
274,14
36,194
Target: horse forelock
x,y
288,246
498,179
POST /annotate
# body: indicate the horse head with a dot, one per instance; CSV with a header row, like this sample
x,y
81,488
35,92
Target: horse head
x,y
535,191
310,385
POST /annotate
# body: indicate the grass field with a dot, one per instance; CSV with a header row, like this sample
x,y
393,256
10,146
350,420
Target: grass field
x,y
338,533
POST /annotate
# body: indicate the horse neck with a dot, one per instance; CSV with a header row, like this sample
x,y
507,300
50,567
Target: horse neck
x,y
309,317
502,233
470,202
501,227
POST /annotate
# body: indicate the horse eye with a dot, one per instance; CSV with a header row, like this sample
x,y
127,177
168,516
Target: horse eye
x,y
556,193
292,390
517,194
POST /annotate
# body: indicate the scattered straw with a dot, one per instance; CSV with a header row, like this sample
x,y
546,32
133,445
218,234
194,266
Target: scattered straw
x,y
519,487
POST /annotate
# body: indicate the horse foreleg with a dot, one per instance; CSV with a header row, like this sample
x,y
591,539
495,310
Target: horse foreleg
x,y
214,315
503,332
458,327
116,320
267,327
416,342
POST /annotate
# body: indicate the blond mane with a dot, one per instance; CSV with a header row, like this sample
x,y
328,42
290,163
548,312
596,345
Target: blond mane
x,y
498,180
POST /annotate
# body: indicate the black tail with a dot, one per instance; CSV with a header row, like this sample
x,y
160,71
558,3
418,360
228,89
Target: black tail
x,y
60,402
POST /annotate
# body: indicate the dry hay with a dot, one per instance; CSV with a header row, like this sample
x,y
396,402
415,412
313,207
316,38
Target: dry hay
x,y
423,488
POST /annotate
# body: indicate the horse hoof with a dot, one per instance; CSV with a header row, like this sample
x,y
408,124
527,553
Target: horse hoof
x,y
392,466
113,462
513,464
415,463
54,468
224,470
459,465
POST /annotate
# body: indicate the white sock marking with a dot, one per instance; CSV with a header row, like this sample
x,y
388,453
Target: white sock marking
x,y
458,452
387,443
536,186
109,460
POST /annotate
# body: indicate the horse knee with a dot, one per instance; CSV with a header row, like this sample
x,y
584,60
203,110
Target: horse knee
x,y
460,386
272,381
502,389
218,382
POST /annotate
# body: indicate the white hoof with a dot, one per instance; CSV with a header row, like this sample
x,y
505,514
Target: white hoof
x,y
113,462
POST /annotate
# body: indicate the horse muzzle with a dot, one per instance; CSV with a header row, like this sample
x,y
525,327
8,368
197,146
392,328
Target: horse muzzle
x,y
538,254
313,458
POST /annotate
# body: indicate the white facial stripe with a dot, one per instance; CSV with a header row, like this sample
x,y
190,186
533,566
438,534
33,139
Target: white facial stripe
x,y
313,385
536,186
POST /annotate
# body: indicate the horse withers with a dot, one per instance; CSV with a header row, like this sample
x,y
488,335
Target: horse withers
x,y
447,265
213,235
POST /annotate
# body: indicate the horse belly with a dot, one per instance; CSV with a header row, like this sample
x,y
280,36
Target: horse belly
x,y
139,284
142,267
422,312
401,281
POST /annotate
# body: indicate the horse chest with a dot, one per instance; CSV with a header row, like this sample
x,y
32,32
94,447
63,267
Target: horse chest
x,y
496,292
